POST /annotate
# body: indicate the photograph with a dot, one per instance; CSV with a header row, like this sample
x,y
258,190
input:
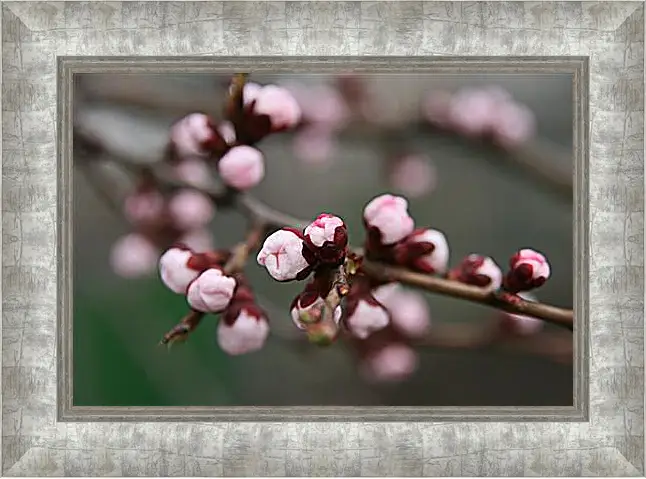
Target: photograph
x,y
317,239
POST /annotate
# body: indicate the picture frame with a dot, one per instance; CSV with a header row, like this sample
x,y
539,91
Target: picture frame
x,y
46,43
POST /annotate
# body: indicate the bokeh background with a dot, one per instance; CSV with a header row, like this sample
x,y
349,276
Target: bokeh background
x,y
482,201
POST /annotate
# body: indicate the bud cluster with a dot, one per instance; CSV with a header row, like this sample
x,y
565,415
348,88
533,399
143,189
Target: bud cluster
x,y
243,327
392,237
486,112
159,220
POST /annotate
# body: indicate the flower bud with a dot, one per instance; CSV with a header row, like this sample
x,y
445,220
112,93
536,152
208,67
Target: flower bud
x,y
529,270
133,256
413,175
472,112
520,324
279,105
307,307
365,315
513,124
242,167
194,135
286,256
424,250
174,270
250,92
144,207
194,172
243,329
391,363
436,107
199,240
478,271
327,238
322,106
388,215
409,311
190,209
211,292
314,145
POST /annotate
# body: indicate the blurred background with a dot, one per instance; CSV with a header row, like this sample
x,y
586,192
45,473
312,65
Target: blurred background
x,y
487,199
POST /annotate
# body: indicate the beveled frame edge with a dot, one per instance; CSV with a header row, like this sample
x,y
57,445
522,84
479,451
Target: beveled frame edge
x,y
576,66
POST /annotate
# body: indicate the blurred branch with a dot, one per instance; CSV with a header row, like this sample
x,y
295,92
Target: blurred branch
x,y
269,217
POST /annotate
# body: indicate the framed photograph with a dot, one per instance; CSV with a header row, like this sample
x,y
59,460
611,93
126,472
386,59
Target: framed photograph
x,y
323,238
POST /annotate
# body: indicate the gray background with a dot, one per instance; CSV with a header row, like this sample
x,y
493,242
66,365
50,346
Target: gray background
x,y
610,444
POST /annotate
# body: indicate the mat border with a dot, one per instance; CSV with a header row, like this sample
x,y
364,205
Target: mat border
x,y
610,443
577,67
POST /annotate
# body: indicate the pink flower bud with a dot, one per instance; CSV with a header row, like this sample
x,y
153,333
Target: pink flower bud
x,y
174,270
133,256
520,324
279,105
366,315
199,240
314,146
250,92
327,237
413,175
322,106
243,167
472,112
391,363
389,215
193,135
190,209
479,271
245,333
144,207
529,270
211,292
425,250
513,124
285,256
307,305
194,172
409,311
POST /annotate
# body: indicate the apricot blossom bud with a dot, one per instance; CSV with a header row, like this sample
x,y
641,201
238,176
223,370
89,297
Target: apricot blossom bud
x,y
307,307
194,172
199,240
243,329
314,145
174,270
413,175
190,209
472,111
194,135
365,315
529,269
409,311
425,250
285,255
133,256
393,362
211,292
144,207
279,105
388,214
513,125
478,271
327,238
242,167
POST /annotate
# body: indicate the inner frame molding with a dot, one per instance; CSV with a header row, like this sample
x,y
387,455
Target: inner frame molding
x,y
577,67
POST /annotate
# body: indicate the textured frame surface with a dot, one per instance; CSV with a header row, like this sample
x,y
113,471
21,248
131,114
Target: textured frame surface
x,y
34,442
576,67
